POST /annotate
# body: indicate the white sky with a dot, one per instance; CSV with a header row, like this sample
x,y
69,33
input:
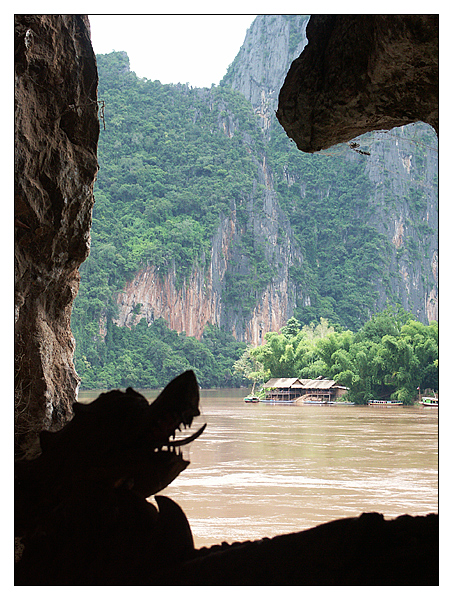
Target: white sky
x,y
194,49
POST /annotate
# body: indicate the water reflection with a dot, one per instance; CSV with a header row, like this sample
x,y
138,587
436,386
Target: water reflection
x,y
261,470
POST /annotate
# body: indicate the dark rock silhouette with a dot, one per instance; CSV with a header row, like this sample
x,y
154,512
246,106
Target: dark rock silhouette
x,y
359,73
366,550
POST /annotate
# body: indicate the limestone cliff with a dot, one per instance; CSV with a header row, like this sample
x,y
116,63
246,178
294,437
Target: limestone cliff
x,y
56,133
260,67
393,190
199,301
401,204
258,73
405,200
403,163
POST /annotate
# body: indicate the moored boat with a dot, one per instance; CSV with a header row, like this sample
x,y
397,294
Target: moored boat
x,y
276,401
428,401
318,402
385,402
251,399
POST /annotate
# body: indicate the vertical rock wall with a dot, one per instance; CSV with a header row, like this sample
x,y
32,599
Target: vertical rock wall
x,y
56,135
400,170
401,53
198,301
260,67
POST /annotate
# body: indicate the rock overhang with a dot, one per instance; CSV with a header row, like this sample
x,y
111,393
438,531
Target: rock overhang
x,y
361,73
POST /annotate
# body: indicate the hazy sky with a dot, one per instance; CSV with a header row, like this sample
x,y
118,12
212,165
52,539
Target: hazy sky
x,y
194,49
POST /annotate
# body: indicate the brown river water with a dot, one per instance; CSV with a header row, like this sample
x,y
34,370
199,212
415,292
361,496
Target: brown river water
x,y
260,470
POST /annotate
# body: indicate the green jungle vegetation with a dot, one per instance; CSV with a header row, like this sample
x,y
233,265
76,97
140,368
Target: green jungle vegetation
x,y
389,357
173,161
151,356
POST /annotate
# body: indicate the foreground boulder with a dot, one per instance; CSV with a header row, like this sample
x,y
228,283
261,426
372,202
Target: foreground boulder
x,y
367,550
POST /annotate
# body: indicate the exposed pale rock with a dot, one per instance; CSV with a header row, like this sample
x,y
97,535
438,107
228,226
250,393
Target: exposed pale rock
x,y
188,308
198,301
259,69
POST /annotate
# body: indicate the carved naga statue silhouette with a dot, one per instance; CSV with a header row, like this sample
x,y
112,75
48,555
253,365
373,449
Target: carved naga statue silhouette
x,y
81,506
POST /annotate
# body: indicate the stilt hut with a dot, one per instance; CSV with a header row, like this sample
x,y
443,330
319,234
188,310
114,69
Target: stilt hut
x,y
283,389
321,390
290,389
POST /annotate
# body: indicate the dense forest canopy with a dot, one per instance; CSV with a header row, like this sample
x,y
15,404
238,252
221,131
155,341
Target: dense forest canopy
x,y
391,356
173,161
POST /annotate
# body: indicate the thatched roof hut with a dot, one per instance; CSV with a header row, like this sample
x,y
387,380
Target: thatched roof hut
x,y
292,388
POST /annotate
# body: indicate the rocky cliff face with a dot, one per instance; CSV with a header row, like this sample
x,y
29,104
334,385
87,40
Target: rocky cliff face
x,y
199,301
258,73
188,309
56,133
403,159
259,69
401,167
404,178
